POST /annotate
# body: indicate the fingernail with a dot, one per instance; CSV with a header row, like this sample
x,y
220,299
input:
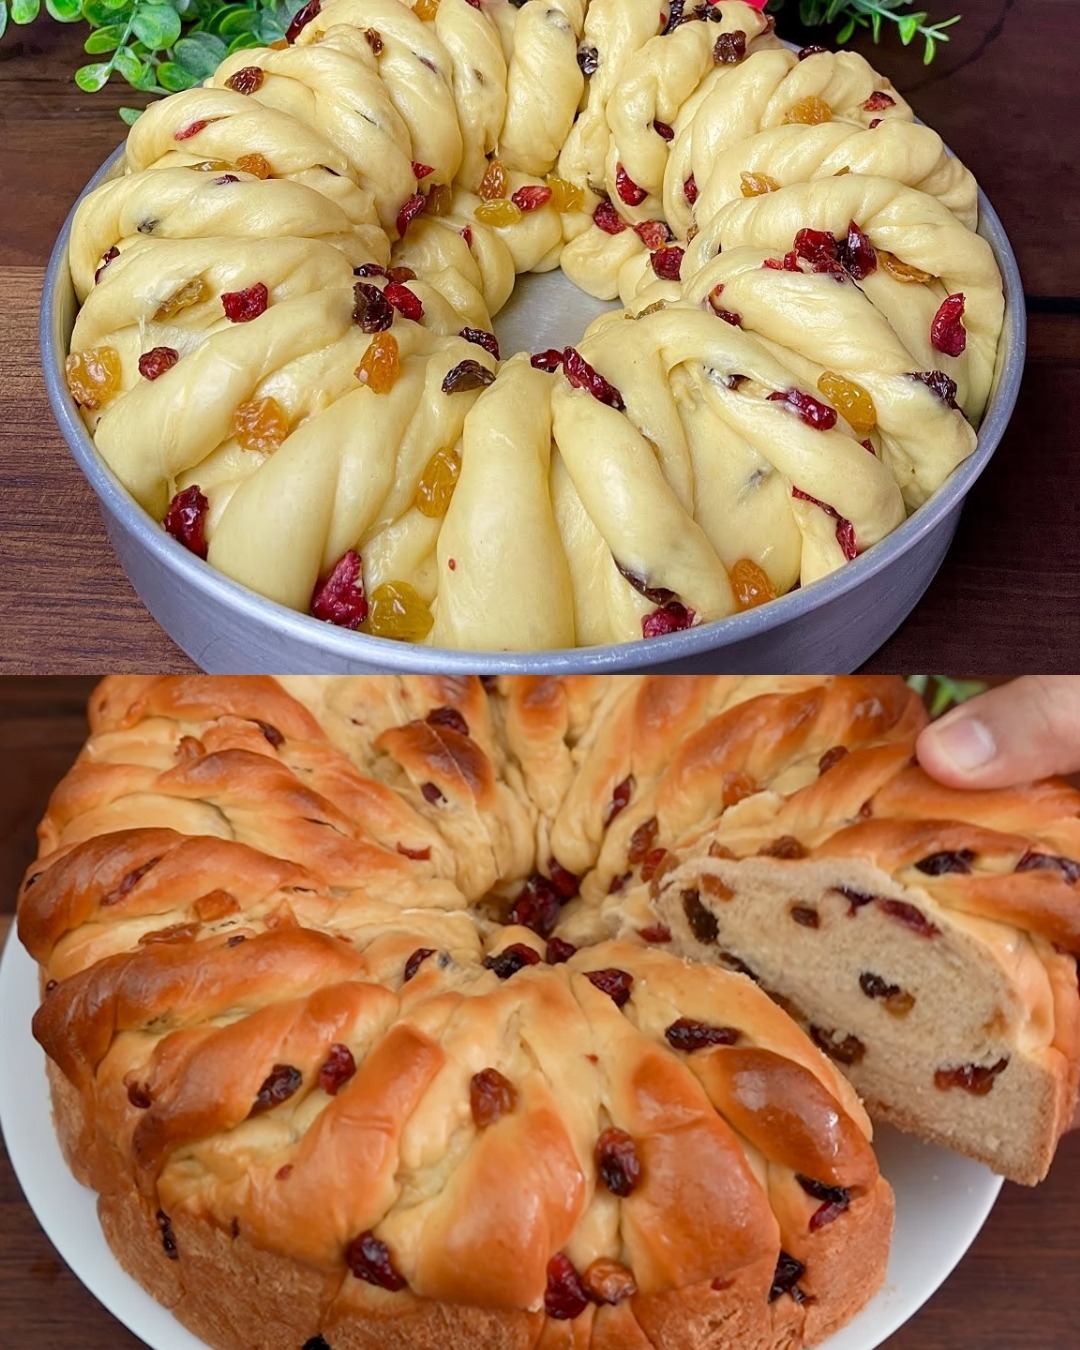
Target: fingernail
x,y
965,742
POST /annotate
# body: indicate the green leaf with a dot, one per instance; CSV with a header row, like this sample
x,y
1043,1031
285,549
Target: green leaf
x,y
200,53
98,13
239,20
105,39
243,40
212,21
875,25
928,53
91,78
147,80
131,115
268,28
845,32
908,27
173,78
128,64
156,25
25,11
64,11
3,17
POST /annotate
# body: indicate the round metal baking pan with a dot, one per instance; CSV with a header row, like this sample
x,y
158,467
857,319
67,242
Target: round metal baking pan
x,y
830,626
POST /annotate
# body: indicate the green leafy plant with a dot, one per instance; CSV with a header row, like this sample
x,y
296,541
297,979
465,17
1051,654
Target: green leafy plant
x,y
873,14
944,691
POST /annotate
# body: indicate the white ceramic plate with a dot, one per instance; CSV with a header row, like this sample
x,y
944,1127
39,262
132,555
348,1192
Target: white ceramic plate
x,y
941,1200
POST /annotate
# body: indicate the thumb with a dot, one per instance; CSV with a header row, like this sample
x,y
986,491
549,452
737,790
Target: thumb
x,y
1019,731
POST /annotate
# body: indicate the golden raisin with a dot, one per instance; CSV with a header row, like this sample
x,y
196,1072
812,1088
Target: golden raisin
x,y
901,271
493,183
439,199
380,364
501,212
260,424
396,611
757,184
850,400
426,9
93,376
751,584
437,483
565,196
254,164
212,166
810,111
192,292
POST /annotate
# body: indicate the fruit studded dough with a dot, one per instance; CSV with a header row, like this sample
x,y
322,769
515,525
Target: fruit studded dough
x,y
807,340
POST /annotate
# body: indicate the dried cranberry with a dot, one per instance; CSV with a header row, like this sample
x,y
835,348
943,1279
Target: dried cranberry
x,y
421,171
491,1096
192,129
667,263
787,846
482,338
875,123
450,718
620,798
655,932
643,840
831,758
845,531
567,883
811,410
409,211
856,254
168,1237
537,906
416,960
466,376
279,1085
617,1161
938,864
688,1035
819,249
157,361
690,190
653,234
301,19
246,80
844,1049
702,921
730,48
805,916
940,383
910,916
947,333
878,100
550,360
185,519
977,1079
432,794
670,618
369,1259
372,311
665,132
617,883
407,304
628,190
582,376
588,58
615,983
243,306
340,599
466,234
812,50
835,1200
653,861
337,1070
106,259
606,218
559,951
512,959
1036,862
728,315
564,1297
531,198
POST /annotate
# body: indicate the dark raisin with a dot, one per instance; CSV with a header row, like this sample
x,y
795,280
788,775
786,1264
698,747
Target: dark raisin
x,y
372,312
844,1049
911,916
665,132
617,1161
106,259
512,959
564,1297
416,960
786,1280
804,915
855,899
415,854
157,361
615,983
730,48
938,864
658,595
608,1282
558,951
337,1070
280,1084
689,1035
373,38
139,1097
812,50
896,1000
588,58
316,1343
620,799
582,376
482,338
1035,862
431,794
247,80
185,520
618,882
940,383
675,16
466,376
235,1228
369,269
834,1201
301,19
236,940
565,882
271,733
977,1079
128,884
655,932
491,1096
51,985
831,758
448,717
168,1237
787,846
732,962
537,906
369,1259
702,923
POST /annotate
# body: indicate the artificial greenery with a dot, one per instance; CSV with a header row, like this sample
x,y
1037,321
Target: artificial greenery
x,y
161,46
945,692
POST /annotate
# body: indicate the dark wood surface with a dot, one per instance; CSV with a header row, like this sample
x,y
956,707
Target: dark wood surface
x,y
1015,1290
1004,94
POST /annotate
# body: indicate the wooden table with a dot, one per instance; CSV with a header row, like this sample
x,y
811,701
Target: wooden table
x,y
1014,1291
1004,94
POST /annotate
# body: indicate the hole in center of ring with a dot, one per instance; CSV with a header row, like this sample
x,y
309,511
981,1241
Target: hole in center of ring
x,y
546,310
